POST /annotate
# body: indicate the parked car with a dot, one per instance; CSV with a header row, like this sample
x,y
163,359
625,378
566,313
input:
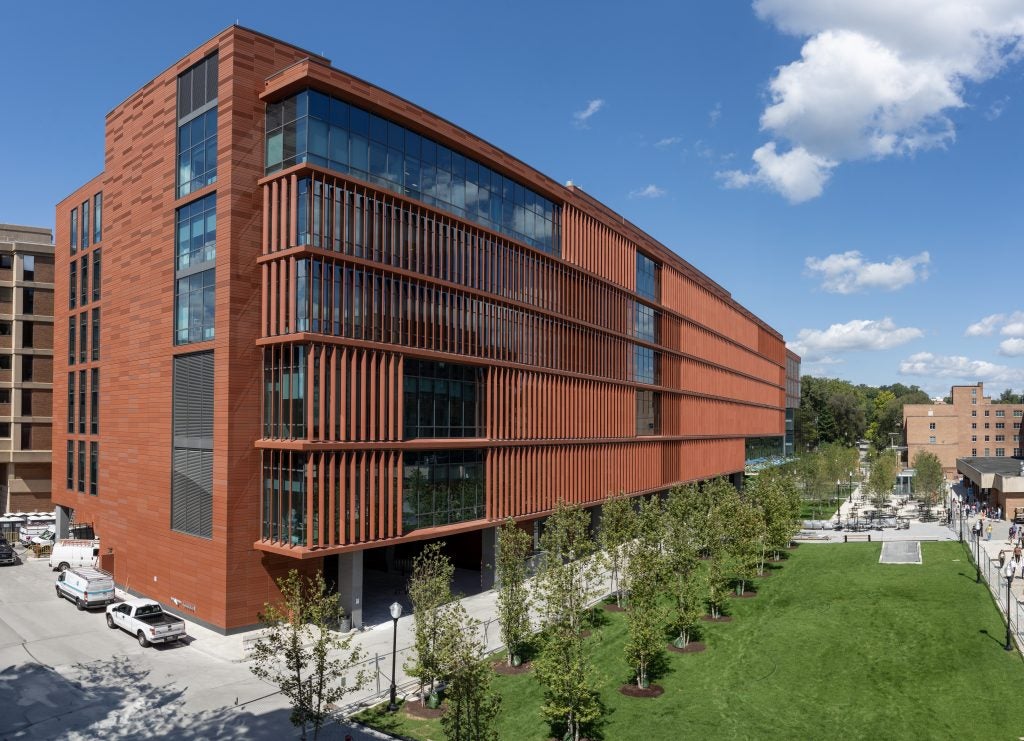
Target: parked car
x,y
67,554
7,554
86,587
145,620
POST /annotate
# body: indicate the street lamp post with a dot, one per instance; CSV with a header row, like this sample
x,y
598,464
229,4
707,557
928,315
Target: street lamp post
x,y
838,500
977,555
960,517
396,612
1009,581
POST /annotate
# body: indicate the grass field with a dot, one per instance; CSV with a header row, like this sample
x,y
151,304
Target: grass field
x,y
835,645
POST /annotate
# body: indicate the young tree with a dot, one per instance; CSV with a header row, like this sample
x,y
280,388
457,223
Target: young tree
x,y
646,619
472,706
514,546
563,587
618,525
683,547
723,498
882,476
928,479
430,590
301,654
777,495
744,541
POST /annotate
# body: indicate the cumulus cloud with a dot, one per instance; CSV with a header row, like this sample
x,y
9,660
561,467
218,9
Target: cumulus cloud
x,y
797,174
668,141
857,334
960,368
848,272
995,110
714,114
1012,347
650,191
875,79
581,118
1008,324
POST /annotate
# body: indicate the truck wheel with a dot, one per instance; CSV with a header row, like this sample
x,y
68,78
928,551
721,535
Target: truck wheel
x,y
110,621
63,566
79,604
142,640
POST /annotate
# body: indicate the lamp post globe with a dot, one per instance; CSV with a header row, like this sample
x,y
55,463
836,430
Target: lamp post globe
x,y
396,612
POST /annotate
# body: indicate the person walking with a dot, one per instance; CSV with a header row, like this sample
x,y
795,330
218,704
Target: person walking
x,y
988,532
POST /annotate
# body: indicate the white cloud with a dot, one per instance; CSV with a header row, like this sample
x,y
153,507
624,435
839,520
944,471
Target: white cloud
x,y
1008,324
1012,347
875,78
651,191
984,327
848,272
857,334
960,368
995,110
714,114
668,141
797,174
580,118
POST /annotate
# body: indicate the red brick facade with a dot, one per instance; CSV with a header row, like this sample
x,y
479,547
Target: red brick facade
x,y
565,429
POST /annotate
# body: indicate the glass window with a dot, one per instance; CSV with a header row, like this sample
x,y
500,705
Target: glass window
x,y
95,334
72,324
194,307
931,439
442,400
94,398
97,218
85,225
644,322
83,336
71,464
74,231
94,458
81,466
28,267
644,365
646,277
197,232
313,127
96,275
73,284
28,302
81,402
71,401
83,271
442,487
647,412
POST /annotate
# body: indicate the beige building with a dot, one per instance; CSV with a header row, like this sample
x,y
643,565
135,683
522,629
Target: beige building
x,y
26,367
970,427
998,481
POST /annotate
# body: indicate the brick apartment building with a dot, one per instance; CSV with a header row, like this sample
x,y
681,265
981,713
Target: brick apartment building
x,y
970,426
26,367
330,324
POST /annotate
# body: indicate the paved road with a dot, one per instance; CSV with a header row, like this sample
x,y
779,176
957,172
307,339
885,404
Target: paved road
x,y
64,674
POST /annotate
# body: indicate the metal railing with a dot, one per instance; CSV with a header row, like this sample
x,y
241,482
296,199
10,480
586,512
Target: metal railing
x,y
993,575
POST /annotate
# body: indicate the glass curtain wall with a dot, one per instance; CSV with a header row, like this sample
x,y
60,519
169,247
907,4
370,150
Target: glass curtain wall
x,y
442,487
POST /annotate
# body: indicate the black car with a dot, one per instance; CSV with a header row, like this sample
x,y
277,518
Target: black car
x,y
7,554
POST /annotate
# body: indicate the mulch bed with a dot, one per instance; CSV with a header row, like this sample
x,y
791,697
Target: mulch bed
x,y
793,546
612,607
417,709
631,690
586,633
746,595
719,619
767,572
693,647
501,667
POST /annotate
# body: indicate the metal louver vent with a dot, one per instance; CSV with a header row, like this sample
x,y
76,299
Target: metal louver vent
x,y
192,460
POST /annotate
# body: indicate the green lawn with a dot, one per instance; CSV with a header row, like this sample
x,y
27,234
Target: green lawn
x,y
835,645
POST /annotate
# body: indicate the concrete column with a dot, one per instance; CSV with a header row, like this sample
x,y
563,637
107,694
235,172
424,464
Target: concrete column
x,y
63,522
488,558
350,586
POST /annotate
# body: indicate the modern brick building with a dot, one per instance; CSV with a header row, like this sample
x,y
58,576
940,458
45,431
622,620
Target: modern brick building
x,y
971,426
26,367
334,324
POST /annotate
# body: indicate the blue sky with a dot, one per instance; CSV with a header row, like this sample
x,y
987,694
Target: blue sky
x,y
849,171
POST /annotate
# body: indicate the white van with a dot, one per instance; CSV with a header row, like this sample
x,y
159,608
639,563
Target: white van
x,y
70,554
86,587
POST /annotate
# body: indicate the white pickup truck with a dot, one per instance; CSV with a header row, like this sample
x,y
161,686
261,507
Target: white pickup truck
x,y
145,620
